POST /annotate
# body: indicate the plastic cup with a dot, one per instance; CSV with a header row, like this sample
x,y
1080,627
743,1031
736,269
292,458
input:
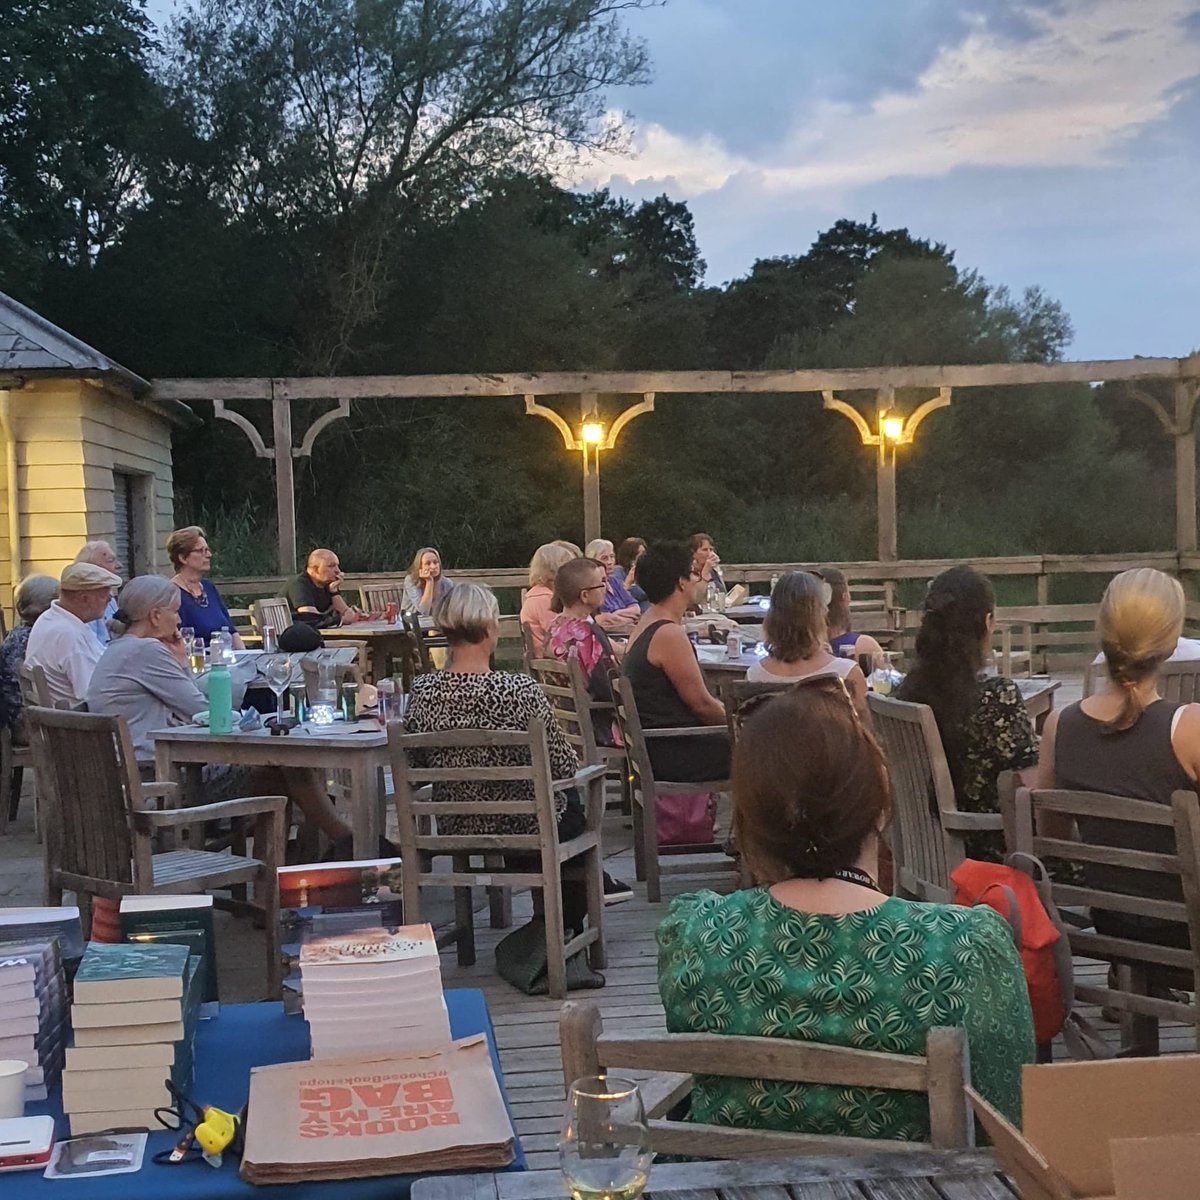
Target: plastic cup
x,y
12,1088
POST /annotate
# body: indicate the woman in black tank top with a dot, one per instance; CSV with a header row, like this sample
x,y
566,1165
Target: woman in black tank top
x,y
668,687
1126,741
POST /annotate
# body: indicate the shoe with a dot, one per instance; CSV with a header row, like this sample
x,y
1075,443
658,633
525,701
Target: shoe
x,y
616,892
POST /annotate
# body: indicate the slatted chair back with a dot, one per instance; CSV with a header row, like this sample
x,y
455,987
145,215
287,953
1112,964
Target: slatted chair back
x,y
736,692
1178,682
34,688
412,622
491,757
529,650
555,680
941,1073
275,611
927,827
1144,901
377,596
644,790
89,784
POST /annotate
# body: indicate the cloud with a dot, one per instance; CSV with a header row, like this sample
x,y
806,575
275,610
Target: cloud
x,y
1052,86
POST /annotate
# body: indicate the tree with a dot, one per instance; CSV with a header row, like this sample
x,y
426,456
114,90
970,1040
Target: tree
x,y
353,116
77,100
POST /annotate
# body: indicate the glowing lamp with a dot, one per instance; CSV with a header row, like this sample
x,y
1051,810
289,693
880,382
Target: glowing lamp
x,y
593,433
893,428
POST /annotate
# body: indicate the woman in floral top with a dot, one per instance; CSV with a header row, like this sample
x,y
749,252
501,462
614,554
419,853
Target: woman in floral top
x,y
984,726
816,953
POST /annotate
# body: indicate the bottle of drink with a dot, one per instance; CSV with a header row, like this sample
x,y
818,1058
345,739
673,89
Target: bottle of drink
x,y
299,701
387,699
220,700
350,700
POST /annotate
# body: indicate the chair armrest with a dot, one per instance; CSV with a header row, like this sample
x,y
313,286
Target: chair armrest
x,y
968,822
686,731
167,789
247,806
581,777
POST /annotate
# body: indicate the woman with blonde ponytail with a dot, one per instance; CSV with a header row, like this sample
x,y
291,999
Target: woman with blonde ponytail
x,y
1126,740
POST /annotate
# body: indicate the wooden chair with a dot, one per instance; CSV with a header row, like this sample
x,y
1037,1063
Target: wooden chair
x,y
942,1073
528,649
275,611
1019,657
706,859
927,827
420,843
1140,958
377,596
100,828
566,689
1178,682
420,643
14,759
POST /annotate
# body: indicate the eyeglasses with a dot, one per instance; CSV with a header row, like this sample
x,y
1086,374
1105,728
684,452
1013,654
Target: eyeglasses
x,y
596,587
201,550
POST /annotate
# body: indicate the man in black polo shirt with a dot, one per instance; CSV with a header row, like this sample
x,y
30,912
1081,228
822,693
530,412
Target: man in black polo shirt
x,y
315,596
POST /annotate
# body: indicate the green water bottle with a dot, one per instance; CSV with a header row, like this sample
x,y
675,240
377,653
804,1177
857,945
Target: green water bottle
x,y
220,700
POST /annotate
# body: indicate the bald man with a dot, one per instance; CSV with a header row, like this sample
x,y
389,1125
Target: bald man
x,y
315,596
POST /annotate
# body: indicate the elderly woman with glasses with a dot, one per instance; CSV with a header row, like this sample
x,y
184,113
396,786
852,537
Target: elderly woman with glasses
x,y
200,604
619,611
814,951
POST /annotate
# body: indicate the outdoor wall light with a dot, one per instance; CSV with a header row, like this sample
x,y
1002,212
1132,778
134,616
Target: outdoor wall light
x,y
893,428
592,433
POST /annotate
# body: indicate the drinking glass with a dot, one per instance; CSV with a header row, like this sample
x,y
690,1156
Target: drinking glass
x,y
278,674
188,634
605,1147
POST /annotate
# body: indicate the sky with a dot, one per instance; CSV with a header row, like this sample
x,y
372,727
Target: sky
x,y
1047,142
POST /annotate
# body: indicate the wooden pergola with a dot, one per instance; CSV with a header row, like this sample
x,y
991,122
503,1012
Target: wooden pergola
x,y
882,423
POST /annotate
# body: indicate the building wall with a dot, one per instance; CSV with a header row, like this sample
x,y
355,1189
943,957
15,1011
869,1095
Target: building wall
x,y
71,436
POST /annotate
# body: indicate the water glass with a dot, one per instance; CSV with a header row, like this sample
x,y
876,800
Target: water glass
x,y
605,1147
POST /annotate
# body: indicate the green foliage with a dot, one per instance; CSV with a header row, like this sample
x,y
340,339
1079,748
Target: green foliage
x,y
304,186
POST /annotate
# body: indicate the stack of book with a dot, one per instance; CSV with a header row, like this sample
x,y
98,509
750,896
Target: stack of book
x,y
42,924
183,920
134,1014
318,899
376,990
33,1012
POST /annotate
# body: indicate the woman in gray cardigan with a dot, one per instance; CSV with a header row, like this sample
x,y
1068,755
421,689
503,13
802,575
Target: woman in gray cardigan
x,y
142,677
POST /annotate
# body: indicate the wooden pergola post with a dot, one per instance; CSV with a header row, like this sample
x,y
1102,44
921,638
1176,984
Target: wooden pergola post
x,y
885,480
1186,391
285,483
591,468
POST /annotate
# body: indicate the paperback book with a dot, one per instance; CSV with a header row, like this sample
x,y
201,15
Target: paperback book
x,y
181,920
33,1012
42,924
321,899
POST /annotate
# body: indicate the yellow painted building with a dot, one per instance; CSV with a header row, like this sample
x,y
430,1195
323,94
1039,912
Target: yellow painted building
x,y
84,454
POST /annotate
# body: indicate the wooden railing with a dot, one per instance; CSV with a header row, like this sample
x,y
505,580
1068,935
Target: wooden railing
x,y
1063,633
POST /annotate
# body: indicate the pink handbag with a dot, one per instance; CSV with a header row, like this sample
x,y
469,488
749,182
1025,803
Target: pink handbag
x,y
685,819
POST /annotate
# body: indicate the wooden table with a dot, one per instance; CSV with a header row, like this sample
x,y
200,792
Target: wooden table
x,y
383,641
899,1175
1038,695
362,755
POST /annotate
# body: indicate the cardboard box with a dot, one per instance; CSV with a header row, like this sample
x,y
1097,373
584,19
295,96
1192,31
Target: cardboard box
x,y
1119,1129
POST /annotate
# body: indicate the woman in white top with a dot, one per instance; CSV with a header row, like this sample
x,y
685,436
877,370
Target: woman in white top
x,y
142,676
798,642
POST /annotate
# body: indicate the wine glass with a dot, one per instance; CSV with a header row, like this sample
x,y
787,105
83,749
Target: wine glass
x,y
188,635
605,1147
278,674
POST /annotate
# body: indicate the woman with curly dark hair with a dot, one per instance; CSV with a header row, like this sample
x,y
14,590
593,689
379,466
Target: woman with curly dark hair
x,y
984,726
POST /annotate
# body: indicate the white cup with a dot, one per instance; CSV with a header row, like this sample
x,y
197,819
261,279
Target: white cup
x,y
12,1088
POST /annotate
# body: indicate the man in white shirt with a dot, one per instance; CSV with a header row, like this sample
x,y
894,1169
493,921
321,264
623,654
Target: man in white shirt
x,y
102,555
60,642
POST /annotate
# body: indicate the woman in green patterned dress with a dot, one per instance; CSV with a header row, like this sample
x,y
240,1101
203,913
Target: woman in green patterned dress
x,y
816,952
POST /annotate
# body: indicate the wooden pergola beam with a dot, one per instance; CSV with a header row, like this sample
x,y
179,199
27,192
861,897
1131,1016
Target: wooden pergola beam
x,y
568,383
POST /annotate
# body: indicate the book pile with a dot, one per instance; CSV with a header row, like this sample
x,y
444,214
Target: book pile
x,y
318,899
350,1118
33,1012
134,1014
376,990
42,924
182,920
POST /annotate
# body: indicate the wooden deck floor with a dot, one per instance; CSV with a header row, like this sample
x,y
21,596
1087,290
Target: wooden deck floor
x,y
527,1027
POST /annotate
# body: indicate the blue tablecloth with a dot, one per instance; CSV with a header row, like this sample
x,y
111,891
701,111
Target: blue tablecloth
x,y
243,1036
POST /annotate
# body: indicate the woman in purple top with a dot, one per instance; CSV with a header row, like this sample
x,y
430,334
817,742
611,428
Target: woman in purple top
x,y
620,611
200,604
